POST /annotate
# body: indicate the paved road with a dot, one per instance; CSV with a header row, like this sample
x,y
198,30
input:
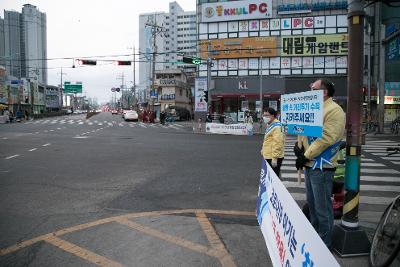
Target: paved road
x,y
77,192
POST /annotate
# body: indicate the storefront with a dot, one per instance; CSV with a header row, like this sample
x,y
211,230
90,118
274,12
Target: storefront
x,y
235,95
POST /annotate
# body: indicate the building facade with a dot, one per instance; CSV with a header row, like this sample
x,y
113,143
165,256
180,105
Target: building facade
x,y
172,90
25,43
270,46
176,36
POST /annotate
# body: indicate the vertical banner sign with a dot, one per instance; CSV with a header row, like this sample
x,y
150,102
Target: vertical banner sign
x,y
291,240
302,113
200,91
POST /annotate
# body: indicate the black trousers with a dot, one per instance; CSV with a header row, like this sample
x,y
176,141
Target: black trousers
x,y
276,169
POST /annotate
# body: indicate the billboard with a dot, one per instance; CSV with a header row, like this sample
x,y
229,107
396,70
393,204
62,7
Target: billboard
x,y
240,47
236,10
315,45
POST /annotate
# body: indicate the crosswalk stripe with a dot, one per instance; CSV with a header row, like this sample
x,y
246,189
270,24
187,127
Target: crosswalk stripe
x,y
363,199
367,187
369,178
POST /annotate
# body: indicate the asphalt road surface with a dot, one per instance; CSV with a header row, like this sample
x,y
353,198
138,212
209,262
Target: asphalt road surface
x,y
77,192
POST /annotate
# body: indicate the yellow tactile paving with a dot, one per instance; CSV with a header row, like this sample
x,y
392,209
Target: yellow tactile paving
x,y
216,250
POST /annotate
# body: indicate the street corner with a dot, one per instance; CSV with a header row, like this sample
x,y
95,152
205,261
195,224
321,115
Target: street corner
x,y
159,238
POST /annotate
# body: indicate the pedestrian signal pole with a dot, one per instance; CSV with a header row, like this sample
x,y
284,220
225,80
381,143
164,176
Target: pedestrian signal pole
x,y
347,238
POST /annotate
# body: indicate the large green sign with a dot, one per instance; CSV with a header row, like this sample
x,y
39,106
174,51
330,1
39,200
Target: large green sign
x,y
72,88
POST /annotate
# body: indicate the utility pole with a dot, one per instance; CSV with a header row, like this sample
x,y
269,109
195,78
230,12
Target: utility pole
x,y
134,77
61,85
209,63
261,97
381,86
349,239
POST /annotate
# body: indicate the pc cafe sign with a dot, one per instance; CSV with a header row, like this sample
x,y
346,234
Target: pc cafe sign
x,y
236,10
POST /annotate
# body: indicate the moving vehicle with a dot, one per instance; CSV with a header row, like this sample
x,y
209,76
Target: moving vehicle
x,y
114,112
131,115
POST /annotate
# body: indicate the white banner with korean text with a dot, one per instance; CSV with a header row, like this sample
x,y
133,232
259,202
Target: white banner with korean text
x,y
200,91
291,240
302,113
234,129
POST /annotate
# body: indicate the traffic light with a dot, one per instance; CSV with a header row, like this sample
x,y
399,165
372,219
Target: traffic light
x,y
192,60
86,62
122,63
205,96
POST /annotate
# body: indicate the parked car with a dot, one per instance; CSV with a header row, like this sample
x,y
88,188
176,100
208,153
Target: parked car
x,y
131,115
114,112
179,113
123,113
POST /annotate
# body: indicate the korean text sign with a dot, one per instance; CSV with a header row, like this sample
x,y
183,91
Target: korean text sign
x,y
291,240
302,113
315,45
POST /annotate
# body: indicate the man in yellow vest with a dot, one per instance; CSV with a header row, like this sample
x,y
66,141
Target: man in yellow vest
x,y
319,157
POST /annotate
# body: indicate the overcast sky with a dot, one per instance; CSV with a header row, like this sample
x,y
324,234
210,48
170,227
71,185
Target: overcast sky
x,y
79,28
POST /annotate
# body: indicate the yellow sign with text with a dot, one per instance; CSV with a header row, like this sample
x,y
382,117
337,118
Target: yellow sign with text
x,y
315,45
240,47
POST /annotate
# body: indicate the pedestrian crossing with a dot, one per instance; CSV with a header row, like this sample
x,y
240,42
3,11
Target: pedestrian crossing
x,y
113,123
379,177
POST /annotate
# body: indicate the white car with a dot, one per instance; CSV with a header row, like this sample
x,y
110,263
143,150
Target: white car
x,y
131,115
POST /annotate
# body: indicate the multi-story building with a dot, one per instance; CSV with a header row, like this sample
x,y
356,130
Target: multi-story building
x,y
270,46
172,90
25,43
174,35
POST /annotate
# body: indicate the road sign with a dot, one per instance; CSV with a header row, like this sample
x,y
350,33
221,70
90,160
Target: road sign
x,y
72,88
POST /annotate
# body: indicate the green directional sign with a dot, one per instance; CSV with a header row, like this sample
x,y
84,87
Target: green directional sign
x,y
72,88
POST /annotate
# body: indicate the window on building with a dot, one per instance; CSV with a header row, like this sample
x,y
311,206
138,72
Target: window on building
x,y
180,92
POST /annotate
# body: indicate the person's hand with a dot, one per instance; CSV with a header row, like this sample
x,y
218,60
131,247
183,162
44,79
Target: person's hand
x,y
298,151
301,161
274,163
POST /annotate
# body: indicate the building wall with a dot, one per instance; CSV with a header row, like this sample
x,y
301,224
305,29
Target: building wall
x,y
25,39
12,48
35,43
180,36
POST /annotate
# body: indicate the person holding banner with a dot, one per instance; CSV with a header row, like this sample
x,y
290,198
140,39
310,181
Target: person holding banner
x,y
273,148
319,157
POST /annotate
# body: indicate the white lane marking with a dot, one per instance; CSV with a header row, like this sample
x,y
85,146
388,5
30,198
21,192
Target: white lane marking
x,y
58,128
46,131
363,199
5,138
366,187
36,132
110,124
179,125
13,156
80,123
100,124
142,125
46,144
369,177
51,130
33,149
90,123
81,137
391,158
